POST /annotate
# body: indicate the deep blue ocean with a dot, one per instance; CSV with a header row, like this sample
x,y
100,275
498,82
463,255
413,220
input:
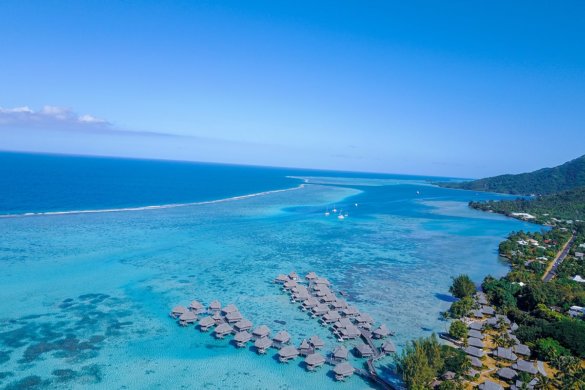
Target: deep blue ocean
x,y
85,296
36,183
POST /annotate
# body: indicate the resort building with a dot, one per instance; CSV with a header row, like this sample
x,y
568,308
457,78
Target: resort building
x,y
261,331
187,318
313,361
287,354
340,353
222,330
177,311
343,370
215,306
243,325
242,338
281,338
262,344
363,351
206,323
316,342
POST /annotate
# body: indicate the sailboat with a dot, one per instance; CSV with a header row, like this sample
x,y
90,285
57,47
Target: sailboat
x,y
326,212
340,216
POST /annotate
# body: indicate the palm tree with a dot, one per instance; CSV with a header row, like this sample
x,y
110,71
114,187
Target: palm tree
x,y
545,383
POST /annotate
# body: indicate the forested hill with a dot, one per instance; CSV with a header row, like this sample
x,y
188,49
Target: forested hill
x,y
568,205
545,181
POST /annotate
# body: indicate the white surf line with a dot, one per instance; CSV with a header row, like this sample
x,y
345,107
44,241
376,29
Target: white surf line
x,y
143,208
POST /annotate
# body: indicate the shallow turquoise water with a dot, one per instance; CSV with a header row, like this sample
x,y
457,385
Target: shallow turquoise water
x,y
84,298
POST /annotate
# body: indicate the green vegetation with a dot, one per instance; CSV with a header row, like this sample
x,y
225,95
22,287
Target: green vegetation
x,y
564,177
424,360
549,349
460,308
462,287
458,330
567,205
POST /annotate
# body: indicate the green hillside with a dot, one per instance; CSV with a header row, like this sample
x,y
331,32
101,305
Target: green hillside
x,y
564,205
545,181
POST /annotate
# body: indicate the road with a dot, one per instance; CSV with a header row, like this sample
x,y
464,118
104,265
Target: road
x,y
558,260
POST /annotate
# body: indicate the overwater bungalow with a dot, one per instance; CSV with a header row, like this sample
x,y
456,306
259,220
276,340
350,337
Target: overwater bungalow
x,y
229,309
348,333
242,338
388,347
364,319
381,332
293,276
525,366
320,309
321,293
328,298
339,304
505,353
214,306
342,323
316,342
320,287
340,354
177,311
206,323
222,330
218,318
343,370
290,284
187,318
262,344
288,353
311,276
196,307
300,296
330,317
305,348
243,325
506,373
475,342
350,311
489,385
363,351
476,313
234,317
313,361
309,303
321,281
281,279
261,331
281,338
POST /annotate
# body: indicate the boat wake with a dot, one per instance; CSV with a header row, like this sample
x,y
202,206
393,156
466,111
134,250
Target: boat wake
x,y
158,207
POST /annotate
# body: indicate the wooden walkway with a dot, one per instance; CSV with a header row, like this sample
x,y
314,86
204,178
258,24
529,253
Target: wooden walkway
x,y
372,373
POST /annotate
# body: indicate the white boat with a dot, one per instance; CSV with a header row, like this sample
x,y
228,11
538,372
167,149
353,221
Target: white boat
x,y
326,213
334,209
340,216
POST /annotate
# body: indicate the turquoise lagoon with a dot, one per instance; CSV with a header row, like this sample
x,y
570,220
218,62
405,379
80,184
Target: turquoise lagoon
x,y
85,297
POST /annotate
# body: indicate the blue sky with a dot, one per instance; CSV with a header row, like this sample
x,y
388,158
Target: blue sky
x,y
457,88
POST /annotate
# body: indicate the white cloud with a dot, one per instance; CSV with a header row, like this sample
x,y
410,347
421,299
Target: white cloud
x,y
50,117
